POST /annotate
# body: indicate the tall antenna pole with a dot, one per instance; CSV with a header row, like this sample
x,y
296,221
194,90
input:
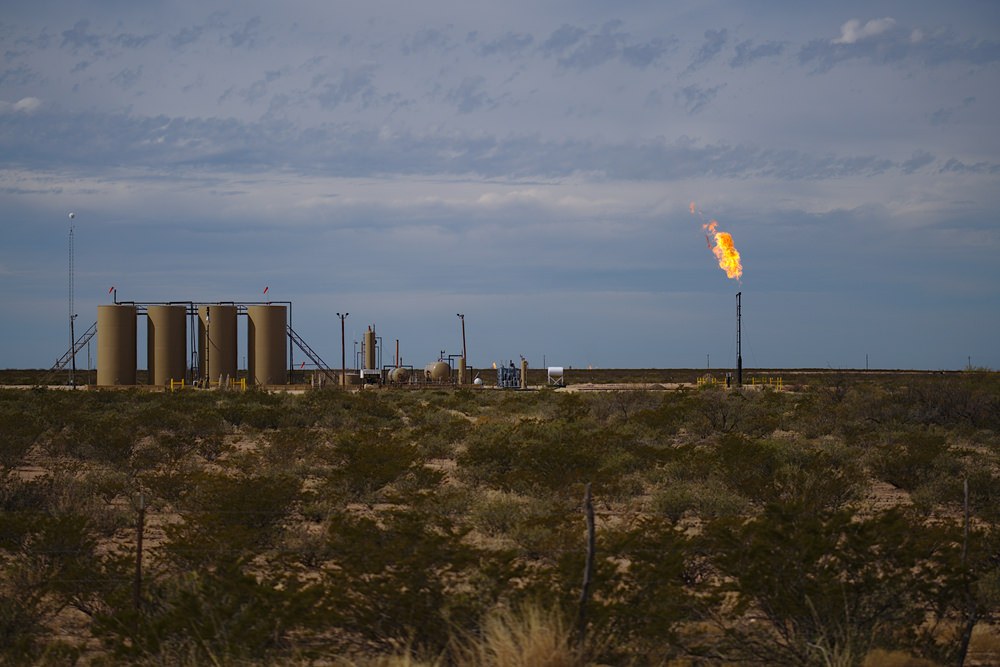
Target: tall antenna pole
x,y
72,315
739,342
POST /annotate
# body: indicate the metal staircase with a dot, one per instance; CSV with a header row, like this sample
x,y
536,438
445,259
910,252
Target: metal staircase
x,y
313,357
77,346
64,360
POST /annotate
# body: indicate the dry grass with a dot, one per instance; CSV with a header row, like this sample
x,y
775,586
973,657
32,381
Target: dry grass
x,y
882,658
528,636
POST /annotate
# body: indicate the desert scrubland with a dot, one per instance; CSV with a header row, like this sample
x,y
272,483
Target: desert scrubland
x,y
847,519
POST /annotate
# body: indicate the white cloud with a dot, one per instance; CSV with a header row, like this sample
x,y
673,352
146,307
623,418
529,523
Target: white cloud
x,y
853,31
24,105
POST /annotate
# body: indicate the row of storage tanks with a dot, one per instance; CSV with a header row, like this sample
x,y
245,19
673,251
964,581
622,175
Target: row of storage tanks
x,y
166,351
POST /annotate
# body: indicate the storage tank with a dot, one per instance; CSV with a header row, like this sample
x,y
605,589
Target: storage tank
x,y
217,341
166,343
438,371
370,361
400,375
267,350
116,345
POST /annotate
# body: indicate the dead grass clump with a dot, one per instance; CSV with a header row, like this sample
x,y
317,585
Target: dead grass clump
x,y
882,658
528,636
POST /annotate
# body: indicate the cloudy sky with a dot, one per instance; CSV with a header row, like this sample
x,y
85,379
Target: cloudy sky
x,y
530,165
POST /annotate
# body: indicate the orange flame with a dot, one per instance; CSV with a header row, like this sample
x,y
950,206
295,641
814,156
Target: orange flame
x,y
724,250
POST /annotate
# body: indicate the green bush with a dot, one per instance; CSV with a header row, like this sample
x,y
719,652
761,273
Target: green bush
x,y
706,499
364,463
218,615
18,432
552,456
908,459
405,576
823,586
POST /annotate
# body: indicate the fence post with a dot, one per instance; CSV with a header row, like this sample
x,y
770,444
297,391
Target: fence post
x,y
588,568
137,584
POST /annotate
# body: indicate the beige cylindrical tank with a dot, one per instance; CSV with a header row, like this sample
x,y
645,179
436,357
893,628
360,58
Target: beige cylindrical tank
x,y
116,345
461,370
370,350
437,371
166,344
267,351
399,375
524,373
217,341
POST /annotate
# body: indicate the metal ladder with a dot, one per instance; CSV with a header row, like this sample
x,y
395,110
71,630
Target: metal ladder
x,y
309,352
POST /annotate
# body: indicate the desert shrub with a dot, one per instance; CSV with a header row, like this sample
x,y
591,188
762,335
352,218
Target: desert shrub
x,y
670,415
548,533
254,409
97,490
365,462
103,436
406,575
464,400
823,585
551,456
292,444
959,401
25,495
19,430
436,431
909,458
370,410
747,412
707,499
229,518
169,484
613,406
820,476
643,592
212,615
48,563
749,465
501,513
570,407
943,488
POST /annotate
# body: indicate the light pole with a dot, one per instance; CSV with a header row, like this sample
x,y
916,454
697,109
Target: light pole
x,y
464,352
72,315
465,356
343,358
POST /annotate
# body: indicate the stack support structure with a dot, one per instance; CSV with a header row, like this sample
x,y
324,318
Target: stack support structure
x,y
217,341
370,361
116,345
266,344
166,347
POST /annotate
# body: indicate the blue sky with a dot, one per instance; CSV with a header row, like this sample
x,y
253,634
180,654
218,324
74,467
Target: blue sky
x,y
530,165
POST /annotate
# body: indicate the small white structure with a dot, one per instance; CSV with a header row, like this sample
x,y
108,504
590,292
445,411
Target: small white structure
x,y
556,378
